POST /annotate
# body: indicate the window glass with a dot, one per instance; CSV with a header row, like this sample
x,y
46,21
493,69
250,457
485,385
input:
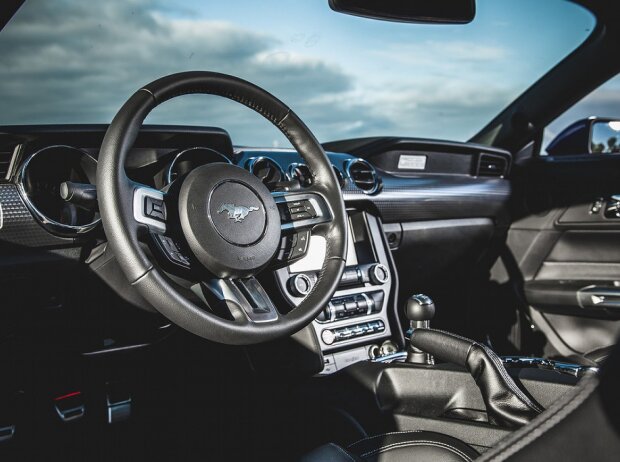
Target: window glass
x,y
604,102
77,61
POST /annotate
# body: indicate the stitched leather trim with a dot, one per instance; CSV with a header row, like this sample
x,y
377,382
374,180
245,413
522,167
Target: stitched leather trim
x,y
461,454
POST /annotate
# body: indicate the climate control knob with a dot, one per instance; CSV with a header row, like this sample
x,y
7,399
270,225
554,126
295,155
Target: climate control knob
x,y
299,285
378,274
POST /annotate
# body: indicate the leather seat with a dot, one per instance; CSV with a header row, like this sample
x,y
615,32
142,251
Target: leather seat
x,y
396,447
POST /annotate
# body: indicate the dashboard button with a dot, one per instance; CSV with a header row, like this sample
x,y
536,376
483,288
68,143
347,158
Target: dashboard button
x,y
328,336
379,274
300,285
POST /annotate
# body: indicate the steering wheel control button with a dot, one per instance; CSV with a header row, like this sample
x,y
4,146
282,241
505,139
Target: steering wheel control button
x,y
154,208
171,249
300,246
297,210
229,219
299,285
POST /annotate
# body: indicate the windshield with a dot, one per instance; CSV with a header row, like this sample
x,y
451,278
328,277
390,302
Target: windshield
x,y
75,61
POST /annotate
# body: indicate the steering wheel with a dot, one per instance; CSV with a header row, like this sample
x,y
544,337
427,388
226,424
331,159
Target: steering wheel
x,y
230,226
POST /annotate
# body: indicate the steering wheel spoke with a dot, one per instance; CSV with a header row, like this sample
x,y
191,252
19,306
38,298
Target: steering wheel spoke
x,y
245,298
301,213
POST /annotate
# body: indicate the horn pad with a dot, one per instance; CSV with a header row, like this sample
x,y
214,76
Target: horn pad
x,y
229,219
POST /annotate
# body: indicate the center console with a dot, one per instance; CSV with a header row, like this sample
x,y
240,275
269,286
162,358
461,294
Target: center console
x,y
357,315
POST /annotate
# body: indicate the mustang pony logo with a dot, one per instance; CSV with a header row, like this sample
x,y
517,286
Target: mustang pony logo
x,y
236,212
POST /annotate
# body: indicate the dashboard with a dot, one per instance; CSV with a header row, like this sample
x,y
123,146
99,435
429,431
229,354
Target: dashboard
x,y
48,207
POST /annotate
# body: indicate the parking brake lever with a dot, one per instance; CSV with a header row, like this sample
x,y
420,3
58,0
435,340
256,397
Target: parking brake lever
x,y
506,404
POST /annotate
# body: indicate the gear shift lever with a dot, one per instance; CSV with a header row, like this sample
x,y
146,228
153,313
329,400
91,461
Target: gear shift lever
x,y
419,309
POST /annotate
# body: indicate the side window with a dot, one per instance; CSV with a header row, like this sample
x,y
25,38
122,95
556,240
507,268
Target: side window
x,y
592,126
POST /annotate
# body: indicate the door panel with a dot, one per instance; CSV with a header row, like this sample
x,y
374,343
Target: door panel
x,y
566,251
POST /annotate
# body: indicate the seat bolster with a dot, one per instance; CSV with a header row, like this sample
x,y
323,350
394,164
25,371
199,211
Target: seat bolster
x,y
412,445
396,447
329,453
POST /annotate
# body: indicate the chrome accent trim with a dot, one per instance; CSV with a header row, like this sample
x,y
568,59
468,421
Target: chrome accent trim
x,y
399,356
339,176
323,213
184,151
387,272
375,176
52,225
574,370
291,168
255,149
332,314
332,311
12,162
139,195
9,433
252,161
116,349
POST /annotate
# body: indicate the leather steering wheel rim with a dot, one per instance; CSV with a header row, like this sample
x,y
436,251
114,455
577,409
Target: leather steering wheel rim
x,y
116,191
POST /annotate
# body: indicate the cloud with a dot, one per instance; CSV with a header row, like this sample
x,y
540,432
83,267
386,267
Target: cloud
x,y
68,61
434,52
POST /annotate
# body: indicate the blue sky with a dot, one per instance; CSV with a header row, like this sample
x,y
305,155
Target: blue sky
x,y
346,76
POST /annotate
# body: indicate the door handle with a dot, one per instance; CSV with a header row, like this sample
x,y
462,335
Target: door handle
x,y
599,297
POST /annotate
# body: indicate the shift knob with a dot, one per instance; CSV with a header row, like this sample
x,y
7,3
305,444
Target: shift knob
x,y
419,310
420,307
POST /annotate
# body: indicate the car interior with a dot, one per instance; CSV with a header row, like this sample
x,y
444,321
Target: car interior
x,y
169,292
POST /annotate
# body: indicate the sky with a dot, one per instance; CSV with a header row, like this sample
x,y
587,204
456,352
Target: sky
x,y
71,61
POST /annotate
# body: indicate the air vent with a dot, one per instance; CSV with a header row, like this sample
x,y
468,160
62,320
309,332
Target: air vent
x,y
339,176
267,170
5,163
300,173
491,165
363,175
